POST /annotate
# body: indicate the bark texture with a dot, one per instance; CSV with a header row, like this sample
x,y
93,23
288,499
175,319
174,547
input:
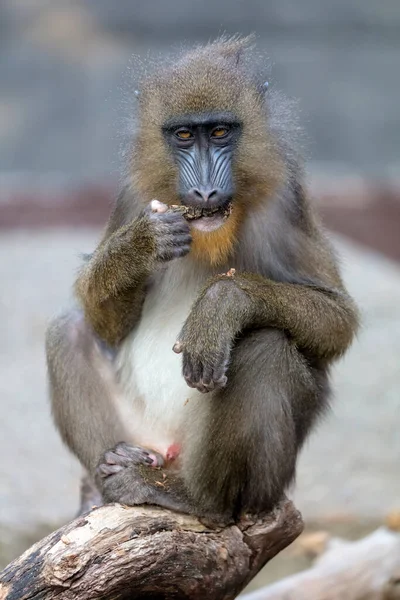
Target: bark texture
x,y
368,569
119,553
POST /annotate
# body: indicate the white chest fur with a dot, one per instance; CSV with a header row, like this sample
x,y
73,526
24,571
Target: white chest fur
x,y
155,394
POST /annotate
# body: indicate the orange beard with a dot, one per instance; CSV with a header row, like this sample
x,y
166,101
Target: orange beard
x,y
216,246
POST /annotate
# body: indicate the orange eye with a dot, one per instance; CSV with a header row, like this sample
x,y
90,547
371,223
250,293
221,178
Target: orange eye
x,y
184,134
219,132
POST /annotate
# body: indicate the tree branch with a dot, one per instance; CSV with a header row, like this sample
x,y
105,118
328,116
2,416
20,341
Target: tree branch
x,y
116,552
368,569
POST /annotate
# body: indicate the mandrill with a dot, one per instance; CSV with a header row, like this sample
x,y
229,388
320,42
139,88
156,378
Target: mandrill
x,y
210,312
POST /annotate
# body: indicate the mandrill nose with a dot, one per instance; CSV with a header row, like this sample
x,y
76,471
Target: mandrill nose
x,y
204,194
208,196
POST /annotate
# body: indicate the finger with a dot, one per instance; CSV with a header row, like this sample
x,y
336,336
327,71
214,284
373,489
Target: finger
x,y
174,218
113,458
123,449
107,470
182,239
221,382
191,364
218,372
208,379
192,372
172,242
173,252
202,388
221,365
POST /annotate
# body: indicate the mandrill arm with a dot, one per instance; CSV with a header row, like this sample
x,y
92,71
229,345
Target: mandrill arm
x,y
321,321
111,286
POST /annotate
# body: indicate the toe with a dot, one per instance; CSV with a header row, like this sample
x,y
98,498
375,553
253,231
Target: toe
x,y
105,470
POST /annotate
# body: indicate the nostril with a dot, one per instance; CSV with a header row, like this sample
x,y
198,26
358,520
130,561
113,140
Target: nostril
x,y
204,195
197,193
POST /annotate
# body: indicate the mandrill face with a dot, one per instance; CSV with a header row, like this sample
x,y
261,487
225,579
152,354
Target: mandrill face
x,y
204,143
203,147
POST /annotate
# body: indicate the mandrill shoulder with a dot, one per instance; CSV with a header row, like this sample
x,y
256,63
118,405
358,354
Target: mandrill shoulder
x,y
283,240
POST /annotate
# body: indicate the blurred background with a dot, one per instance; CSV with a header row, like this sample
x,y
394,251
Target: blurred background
x,y
64,73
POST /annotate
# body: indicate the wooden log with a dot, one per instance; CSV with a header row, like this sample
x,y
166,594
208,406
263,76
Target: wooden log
x,y
118,552
368,569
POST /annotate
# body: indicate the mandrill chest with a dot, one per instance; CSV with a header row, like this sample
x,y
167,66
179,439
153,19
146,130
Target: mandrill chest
x,y
155,400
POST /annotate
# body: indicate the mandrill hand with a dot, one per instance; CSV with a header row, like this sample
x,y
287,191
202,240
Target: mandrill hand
x,y
171,232
207,337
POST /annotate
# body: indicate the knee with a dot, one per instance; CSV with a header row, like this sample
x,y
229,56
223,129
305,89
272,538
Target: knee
x,y
266,363
71,332
68,331
261,349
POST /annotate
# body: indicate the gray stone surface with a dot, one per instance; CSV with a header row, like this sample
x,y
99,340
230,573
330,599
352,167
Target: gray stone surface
x,y
351,464
64,69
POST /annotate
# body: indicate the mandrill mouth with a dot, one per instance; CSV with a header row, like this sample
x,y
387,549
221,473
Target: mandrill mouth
x,y
205,218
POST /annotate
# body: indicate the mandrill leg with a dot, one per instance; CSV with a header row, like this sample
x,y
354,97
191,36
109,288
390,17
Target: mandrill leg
x,y
244,455
241,453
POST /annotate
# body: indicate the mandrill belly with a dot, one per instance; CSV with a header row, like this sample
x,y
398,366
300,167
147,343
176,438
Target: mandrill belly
x,y
156,401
